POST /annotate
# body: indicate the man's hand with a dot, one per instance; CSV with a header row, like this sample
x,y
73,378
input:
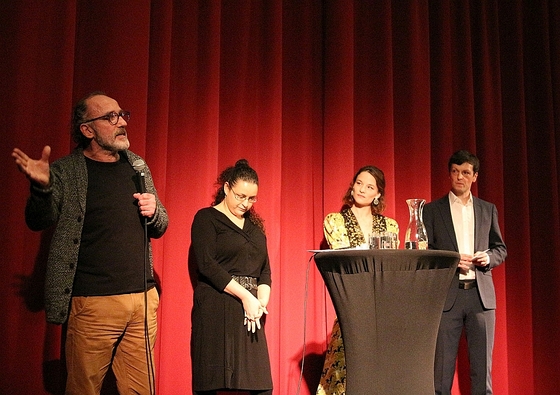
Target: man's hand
x,y
465,264
481,258
146,204
37,171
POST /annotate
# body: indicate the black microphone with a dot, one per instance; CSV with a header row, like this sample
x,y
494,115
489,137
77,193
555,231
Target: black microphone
x,y
139,167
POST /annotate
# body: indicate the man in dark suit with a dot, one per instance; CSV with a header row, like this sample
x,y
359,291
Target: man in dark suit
x,y
466,224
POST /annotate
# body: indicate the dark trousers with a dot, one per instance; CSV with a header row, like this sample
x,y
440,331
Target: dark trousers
x,y
479,325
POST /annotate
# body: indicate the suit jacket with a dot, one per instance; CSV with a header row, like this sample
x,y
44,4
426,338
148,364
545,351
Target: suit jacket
x,y
63,204
441,236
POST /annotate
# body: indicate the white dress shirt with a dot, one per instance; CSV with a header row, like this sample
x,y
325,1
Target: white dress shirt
x,y
463,222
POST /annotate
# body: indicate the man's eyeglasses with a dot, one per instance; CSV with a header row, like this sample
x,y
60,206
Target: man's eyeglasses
x,y
242,198
112,117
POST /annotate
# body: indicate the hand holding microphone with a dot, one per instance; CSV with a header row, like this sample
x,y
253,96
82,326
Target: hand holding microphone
x,y
146,201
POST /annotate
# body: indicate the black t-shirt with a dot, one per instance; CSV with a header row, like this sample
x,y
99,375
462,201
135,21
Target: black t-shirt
x,y
112,250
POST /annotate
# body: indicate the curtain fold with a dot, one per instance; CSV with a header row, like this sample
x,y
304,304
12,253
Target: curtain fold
x,y
308,91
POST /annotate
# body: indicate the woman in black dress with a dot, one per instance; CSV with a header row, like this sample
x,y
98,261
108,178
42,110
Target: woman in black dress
x,y
228,343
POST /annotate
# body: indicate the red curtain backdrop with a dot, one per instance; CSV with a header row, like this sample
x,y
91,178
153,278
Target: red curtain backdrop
x,y
308,91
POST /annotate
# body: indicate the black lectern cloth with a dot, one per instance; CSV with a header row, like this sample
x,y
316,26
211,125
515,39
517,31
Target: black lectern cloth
x,y
389,304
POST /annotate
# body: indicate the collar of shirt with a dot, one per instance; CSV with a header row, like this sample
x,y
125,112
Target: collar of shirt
x,y
454,199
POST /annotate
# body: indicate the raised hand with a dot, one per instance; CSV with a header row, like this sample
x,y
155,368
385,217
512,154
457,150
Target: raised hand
x,y
36,170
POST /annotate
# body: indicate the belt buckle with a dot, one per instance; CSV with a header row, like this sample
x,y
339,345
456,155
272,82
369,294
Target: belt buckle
x,y
467,284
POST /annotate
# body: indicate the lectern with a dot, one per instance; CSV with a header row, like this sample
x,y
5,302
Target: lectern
x,y
389,304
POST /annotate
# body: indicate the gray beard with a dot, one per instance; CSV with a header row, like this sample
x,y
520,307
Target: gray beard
x,y
112,146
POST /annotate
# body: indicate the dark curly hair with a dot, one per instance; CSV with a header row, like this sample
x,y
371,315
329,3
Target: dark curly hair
x,y
377,173
79,115
240,172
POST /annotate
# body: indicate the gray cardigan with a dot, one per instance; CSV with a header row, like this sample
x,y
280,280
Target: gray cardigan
x,y
63,203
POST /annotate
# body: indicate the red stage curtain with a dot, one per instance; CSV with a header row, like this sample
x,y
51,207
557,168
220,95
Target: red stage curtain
x,y
308,91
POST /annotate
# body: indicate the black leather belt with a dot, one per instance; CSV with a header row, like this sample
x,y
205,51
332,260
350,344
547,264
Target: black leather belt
x,y
467,284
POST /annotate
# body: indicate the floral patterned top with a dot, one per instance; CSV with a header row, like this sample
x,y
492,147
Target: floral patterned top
x,y
343,231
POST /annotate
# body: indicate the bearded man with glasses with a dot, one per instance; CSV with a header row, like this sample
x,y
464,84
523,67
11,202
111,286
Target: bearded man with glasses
x,y
99,278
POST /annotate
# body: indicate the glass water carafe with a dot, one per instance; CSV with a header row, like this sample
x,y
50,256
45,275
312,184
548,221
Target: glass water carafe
x,y
416,237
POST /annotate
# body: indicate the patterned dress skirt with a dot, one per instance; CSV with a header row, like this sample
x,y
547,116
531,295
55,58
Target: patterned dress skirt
x,y
333,376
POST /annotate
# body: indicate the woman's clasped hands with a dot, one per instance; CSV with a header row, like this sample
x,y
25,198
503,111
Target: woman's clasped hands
x,y
253,316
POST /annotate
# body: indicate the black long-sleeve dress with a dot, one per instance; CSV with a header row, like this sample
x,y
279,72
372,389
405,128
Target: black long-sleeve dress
x,y
224,354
